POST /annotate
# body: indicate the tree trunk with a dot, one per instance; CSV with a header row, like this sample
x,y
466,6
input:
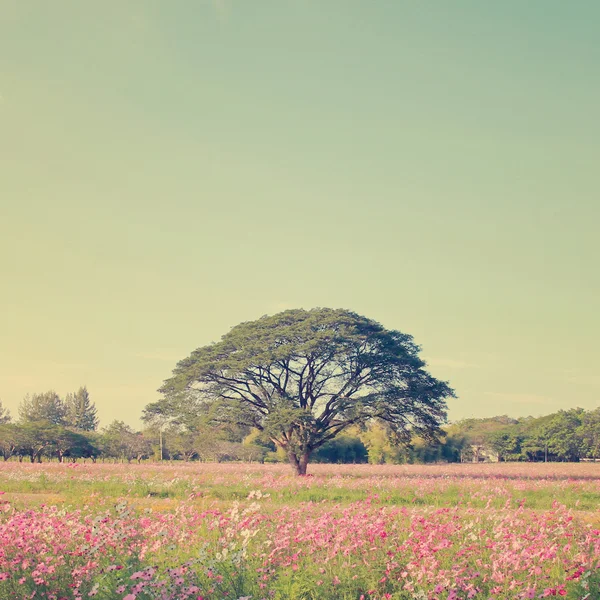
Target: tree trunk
x,y
304,463
300,463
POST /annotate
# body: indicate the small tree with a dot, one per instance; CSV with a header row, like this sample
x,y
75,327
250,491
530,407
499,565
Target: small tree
x,y
303,377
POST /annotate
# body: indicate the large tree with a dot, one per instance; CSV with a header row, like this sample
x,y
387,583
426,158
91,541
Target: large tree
x,y
302,377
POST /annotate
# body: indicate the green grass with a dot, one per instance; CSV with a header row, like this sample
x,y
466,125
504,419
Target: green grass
x,y
74,491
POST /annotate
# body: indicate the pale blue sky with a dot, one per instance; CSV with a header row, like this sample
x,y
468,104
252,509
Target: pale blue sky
x,y
169,169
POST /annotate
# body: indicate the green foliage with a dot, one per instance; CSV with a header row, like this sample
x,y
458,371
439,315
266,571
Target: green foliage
x,y
9,440
506,442
556,437
120,441
589,433
343,449
72,444
259,439
81,412
46,407
5,416
303,377
380,448
570,435
51,426
35,437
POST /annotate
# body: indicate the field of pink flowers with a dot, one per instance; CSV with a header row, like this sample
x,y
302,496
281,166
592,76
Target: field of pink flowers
x,y
214,532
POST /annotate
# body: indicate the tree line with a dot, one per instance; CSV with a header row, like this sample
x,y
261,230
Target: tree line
x,y
49,427
564,436
567,435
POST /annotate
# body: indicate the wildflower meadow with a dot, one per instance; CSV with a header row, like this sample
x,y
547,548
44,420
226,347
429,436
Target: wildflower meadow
x,y
256,532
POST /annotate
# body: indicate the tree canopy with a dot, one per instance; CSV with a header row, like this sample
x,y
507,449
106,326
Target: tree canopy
x,y
302,377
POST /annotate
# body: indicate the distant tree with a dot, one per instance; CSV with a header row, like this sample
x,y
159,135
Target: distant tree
x,y
589,433
344,449
87,444
479,435
81,412
9,440
210,445
554,437
303,377
36,437
159,427
183,445
5,416
562,433
67,443
380,447
506,442
423,452
452,446
140,446
251,452
534,438
122,442
115,439
43,407
259,445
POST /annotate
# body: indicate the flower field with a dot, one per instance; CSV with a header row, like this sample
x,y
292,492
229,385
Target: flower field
x,y
204,531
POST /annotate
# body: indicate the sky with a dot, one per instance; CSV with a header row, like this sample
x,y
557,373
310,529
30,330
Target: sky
x,y
170,169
